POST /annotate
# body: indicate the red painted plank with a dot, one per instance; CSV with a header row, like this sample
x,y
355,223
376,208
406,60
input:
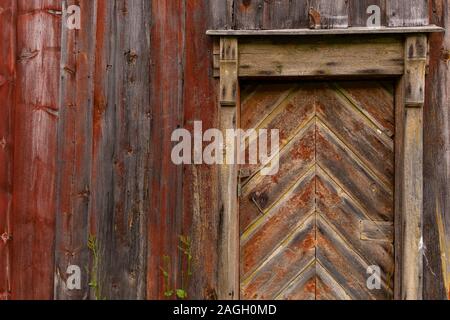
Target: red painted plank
x,y
437,160
200,187
165,216
74,151
7,75
36,117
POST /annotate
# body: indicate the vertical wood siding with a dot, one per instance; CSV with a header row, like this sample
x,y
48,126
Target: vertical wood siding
x,y
7,78
166,90
36,118
437,161
200,182
74,150
87,117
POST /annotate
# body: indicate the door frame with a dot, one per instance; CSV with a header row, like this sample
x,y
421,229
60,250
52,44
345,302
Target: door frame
x,y
396,53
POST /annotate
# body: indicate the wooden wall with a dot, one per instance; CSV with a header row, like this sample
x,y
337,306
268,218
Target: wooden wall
x,y
86,122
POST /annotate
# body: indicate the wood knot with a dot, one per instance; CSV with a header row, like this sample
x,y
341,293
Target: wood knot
x,y
5,237
131,56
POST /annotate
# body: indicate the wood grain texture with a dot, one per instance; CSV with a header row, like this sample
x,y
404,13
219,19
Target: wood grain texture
x,y
218,13
407,13
75,151
7,79
201,214
166,190
311,32
415,67
228,71
412,219
338,56
333,14
437,161
272,14
35,129
124,229
332,180
281,14
399,178
412,193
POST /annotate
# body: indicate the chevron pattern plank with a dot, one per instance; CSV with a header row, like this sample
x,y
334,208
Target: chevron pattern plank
x,y
312,230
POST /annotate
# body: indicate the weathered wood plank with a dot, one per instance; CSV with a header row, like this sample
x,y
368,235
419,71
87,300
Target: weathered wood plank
x,y
359,13
125,256
293,110
376,103
228,286
437,161
281,14
220,11
333,14
262,100
259,241
248,14
312,32
335,206
326,286
261,192
35,130
297,252
416,49
415,66
366,140
412,260
74,151
228,71
228,278
335,158
338,57
102,200
343,264
166,190
303,287
201,218
7,78
401,13
399,176
377,230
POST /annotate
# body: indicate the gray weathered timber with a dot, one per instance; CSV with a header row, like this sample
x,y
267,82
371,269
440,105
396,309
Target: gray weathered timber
x,y
307,32
358,15
349,56
221,12
121,149
74,151
201,214
333,14
412,264
228,273
437,161
399,177
401,13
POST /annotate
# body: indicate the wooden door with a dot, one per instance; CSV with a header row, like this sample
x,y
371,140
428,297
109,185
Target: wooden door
x,y
312,230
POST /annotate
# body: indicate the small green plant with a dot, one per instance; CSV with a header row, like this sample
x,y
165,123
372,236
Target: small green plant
x,y
186,273
168,292
93,282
